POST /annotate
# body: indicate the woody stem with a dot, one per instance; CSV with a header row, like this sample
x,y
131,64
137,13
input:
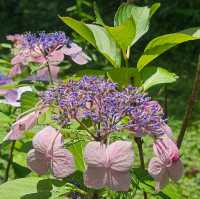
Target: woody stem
x,y
141,155
190,106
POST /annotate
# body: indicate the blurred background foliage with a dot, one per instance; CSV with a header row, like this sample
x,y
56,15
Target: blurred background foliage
x,y
19,16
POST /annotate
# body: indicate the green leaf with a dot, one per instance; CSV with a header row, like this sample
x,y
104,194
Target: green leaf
x,y
106,44
154,8
125,76
5,45
99,19
80,28
124,34
22,188
28,100
141,16
77,151
98,37
160,76
160,44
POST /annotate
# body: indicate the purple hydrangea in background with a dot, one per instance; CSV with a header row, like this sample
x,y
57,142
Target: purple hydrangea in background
x,y
108,108
45,49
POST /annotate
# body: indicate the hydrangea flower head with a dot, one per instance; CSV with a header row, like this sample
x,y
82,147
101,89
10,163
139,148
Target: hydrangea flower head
x,y
105,105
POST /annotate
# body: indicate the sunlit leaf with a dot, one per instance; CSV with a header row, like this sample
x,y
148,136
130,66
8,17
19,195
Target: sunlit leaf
x,y
80,28
124,34
160,76
141,16
106,44
29,188
160,44
28,100
98,37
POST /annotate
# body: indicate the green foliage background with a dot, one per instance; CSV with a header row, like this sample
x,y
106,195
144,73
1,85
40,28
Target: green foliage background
x,y
18,16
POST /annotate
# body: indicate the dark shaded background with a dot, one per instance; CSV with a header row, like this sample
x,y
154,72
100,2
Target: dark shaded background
x,y
18,16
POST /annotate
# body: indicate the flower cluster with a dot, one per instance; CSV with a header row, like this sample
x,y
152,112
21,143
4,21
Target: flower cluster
x,y
101,101
44,49
109,110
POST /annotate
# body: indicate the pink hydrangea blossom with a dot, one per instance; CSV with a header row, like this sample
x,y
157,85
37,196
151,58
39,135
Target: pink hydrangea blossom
x,y
166,164
108,165
48,153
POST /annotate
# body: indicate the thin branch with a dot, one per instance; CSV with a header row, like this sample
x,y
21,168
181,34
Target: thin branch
x,y
190,105
141,155
50,75
10,158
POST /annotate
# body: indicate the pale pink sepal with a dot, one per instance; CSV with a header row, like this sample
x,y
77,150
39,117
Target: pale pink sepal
x,y
108,165
161,173
50,145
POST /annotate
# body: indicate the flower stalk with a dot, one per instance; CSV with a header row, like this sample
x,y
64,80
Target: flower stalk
x,y
139,143
10,158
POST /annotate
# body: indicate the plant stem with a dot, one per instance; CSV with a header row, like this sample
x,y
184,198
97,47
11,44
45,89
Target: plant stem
x,y
10,158
191,102
141,155
125,58
50,76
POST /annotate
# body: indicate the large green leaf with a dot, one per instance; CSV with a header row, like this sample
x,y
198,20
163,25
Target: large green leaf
x,y
24,188
125,76
160,44
106,44
98,37
141,16
124,34
159,76
80,28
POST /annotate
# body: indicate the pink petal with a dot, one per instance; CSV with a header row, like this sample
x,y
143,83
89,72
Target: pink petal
x,y
162,182
156,168
15,70
118,181
166,150
18,59
62,163
167,130
121,155
56,57
80,58
38,59
159,172
73,49
176,170
95,154
47,139
22,125
95,177
43,73
37,162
